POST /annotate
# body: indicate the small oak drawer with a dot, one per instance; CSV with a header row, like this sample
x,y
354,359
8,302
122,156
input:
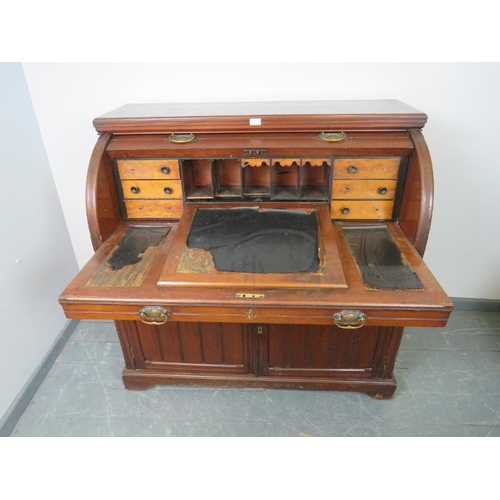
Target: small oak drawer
x,y
364,189
158,190
371,210
153,209
366,168
148,169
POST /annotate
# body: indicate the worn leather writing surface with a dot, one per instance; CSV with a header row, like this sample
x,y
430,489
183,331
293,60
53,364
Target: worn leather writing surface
x,y
380,259
134,243
250,240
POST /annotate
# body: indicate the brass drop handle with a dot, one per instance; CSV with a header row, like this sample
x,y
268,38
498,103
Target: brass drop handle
x,y
382,190
165,170
332,136
349,320
154,315
181,138
134,189
168,190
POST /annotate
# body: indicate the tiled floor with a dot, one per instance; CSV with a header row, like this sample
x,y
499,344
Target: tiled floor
x,y
449,385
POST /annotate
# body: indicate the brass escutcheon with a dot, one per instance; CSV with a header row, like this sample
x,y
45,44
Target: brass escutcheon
x,y
249,314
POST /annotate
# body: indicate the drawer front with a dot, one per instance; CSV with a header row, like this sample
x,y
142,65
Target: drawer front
x,y
382,189
366,168
157,209
145,189
148,169
373,210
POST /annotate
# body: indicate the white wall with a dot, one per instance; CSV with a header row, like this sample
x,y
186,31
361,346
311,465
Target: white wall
x,y
462,101
37,259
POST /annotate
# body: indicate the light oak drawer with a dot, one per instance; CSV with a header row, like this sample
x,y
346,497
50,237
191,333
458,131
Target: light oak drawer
x,y
371,210
366,168
148,169
153,209
364,189
139,189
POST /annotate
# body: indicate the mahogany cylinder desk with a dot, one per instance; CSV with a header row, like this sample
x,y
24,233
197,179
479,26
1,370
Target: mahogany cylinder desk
x,y
273,245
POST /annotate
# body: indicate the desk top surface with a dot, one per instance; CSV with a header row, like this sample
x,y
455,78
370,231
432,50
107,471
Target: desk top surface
x,y
284,116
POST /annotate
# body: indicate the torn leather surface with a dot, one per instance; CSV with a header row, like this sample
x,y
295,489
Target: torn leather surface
x,y
380,259
134,243
249,240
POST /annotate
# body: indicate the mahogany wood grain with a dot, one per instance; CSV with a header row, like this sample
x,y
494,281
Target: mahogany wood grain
x,y
274,116
275,145
380,388
103,213
415,214
194,347
132,353
312,347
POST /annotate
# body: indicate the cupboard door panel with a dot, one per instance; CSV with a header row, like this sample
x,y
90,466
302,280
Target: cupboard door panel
x,y
170,342
318,350
212,344
205,346
191,342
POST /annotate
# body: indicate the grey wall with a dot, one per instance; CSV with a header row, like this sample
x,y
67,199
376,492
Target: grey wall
x,y
36,256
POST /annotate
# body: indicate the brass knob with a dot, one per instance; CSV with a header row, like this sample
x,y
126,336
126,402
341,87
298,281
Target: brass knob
x,y
134,189
352,169
165,170
350,320
168,190
345,210
382,190
154,315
